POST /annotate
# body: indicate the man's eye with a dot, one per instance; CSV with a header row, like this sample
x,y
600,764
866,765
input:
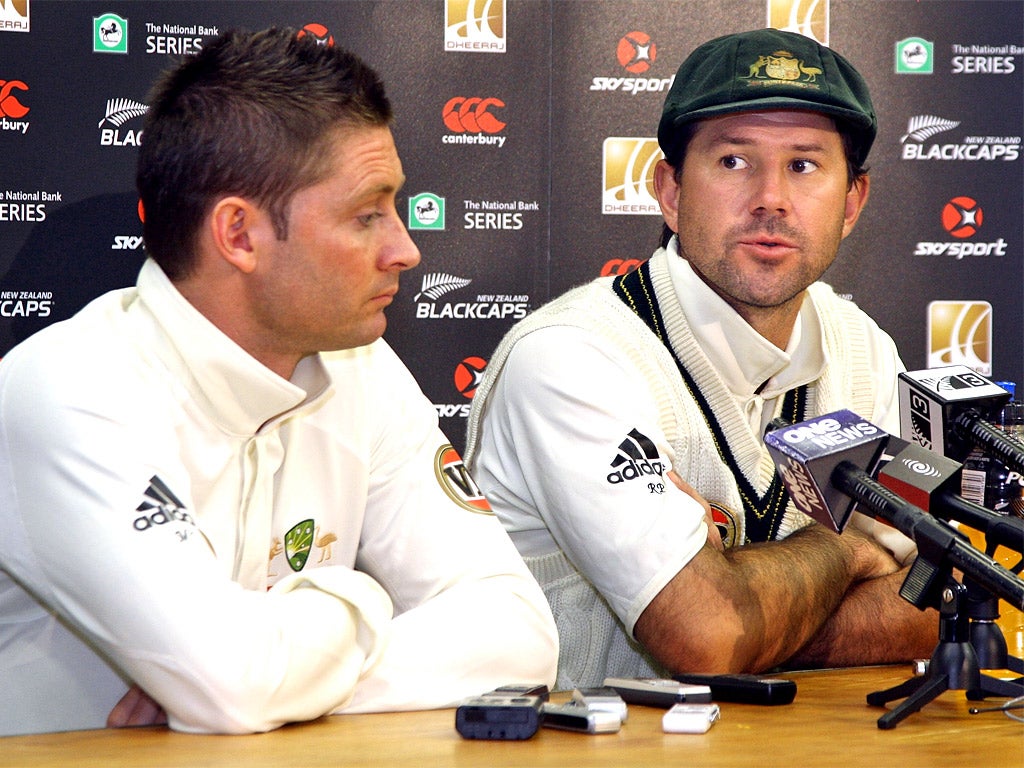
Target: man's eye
x,y
368,218
804,166
732,162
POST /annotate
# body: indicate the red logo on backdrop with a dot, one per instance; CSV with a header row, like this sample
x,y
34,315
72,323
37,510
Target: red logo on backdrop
x,y
9,104
962,217
467,375
636,52
462,115
619,266
318,32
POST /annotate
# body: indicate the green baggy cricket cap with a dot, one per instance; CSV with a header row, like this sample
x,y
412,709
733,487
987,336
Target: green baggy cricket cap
x,y
766,69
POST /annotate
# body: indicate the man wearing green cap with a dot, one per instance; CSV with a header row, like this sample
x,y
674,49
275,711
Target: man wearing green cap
x,y
618,430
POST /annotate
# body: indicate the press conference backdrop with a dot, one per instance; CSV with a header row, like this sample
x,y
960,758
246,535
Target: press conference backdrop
x,y
526,129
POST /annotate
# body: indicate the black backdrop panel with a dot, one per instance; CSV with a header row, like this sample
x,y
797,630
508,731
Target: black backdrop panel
x,y
527,141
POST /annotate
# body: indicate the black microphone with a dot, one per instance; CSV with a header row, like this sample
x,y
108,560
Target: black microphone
x,y
927,480
947,410
820,463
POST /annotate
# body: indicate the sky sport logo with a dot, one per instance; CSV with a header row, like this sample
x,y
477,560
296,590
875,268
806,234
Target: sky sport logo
x,y
318,32
960,333
474,26
468,374
636,52
962,217
628,168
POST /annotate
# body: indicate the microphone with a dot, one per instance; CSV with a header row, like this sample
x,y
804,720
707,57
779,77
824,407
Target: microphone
x,y
946,410
820,463
927,480
813,445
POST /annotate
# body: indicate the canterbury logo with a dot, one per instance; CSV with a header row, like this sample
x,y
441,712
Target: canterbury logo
x,y
9,104
637,457
922,127
462,115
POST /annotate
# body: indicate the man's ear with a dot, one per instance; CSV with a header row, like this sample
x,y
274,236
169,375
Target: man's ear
x,y
666,188
234,225
856,198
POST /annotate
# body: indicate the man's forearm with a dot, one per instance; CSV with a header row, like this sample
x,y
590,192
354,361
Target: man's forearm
x,y
872,625
754,607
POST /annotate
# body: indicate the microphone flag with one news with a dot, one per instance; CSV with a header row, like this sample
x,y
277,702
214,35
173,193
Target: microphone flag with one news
x,y
817,461
805,456
948,410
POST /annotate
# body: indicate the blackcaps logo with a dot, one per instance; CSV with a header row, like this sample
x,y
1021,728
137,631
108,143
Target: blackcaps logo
x,y
117,113
637,458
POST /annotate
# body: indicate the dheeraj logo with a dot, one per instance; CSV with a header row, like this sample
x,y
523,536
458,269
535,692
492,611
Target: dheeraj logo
x,y
960,333
628,166
14,16
809,18
475,26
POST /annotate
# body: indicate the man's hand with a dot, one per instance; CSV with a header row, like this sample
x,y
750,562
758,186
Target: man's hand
x,y
136,708
867,559
714,536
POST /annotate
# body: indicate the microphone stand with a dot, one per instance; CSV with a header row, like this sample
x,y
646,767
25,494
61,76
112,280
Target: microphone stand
x,y
953,665
988,642
966,611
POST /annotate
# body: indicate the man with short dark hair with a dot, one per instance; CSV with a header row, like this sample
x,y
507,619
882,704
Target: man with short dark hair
x,y
618,430
224,502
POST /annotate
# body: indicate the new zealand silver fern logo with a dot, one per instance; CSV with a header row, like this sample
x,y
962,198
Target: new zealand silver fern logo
x,y
437,284
921,127
120,111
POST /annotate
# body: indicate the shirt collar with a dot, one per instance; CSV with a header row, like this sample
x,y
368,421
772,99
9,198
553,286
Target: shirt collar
x,y
234,388
744,359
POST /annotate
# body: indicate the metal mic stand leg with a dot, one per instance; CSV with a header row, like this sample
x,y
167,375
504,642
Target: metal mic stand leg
x,y
990,646
953,666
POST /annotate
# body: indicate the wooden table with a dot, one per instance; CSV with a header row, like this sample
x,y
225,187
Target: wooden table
x,y
829,724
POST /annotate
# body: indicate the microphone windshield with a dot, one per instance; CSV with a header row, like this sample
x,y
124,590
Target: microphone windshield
x,y
806,454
